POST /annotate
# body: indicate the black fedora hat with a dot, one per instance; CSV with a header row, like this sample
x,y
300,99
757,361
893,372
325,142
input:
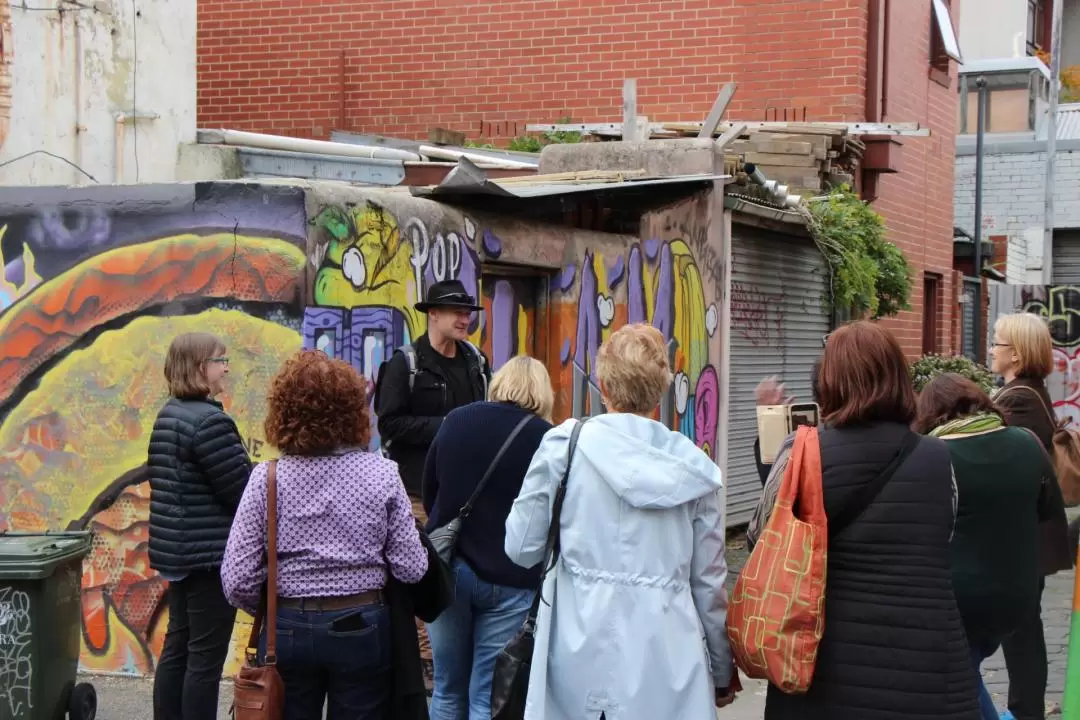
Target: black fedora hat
x,y
448,294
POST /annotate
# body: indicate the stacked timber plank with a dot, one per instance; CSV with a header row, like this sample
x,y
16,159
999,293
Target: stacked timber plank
x,y
803,156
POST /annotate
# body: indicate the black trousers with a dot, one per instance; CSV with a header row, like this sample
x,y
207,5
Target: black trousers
x,y
188,674
1025,659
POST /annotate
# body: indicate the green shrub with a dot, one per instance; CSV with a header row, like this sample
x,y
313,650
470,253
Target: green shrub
x,y
928,367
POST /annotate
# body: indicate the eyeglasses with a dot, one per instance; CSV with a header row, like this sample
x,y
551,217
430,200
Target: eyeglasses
x,y
997,345
825,339
222,360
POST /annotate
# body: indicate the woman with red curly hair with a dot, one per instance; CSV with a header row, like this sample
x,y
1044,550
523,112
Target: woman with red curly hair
x,y
345,526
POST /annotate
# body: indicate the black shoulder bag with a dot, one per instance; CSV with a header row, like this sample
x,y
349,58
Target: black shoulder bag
x,y
445,538
510,681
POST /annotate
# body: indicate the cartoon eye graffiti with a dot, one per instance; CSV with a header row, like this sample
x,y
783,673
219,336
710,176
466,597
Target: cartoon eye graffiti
x,y
353,267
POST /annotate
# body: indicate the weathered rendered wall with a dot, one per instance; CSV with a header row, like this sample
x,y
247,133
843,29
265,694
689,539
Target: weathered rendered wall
x,y
97,281
75,70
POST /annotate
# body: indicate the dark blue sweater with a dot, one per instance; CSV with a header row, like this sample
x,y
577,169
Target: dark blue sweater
x,y
465,445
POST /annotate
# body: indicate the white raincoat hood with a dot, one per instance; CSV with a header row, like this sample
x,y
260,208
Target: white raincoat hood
x,y
646,464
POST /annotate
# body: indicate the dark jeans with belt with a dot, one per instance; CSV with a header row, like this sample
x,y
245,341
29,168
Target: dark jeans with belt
x,y
334,651
1025,659
188,674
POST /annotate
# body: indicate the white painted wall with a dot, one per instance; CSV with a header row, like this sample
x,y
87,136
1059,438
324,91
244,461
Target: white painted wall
x,y
993,29
75,68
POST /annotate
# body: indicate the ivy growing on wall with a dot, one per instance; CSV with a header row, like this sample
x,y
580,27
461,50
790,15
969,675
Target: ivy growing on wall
x,y
870,275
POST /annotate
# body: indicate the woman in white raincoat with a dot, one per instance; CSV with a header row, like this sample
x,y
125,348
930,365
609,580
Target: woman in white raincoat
x,y
632,623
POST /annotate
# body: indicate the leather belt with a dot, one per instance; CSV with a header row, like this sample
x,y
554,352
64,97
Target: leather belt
x,y
341,602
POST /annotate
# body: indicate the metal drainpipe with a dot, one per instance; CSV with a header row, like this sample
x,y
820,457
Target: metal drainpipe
x,y
980,132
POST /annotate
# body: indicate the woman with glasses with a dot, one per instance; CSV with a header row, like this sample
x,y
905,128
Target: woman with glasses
x,y
198,468
1022,353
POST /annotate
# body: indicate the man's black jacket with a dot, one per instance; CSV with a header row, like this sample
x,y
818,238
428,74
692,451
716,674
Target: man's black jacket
x,y
408,421
198,470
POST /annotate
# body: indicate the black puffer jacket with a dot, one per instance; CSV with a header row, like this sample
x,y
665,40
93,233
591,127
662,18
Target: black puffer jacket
x,y
894,646
198,469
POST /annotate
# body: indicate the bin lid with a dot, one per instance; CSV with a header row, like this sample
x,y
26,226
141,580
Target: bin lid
x,y
35,556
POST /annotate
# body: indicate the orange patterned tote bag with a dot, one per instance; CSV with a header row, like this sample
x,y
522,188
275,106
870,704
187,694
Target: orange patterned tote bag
x,y
777,611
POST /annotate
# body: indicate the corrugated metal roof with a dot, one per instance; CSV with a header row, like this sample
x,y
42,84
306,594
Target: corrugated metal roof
x,y
551,189
1068,122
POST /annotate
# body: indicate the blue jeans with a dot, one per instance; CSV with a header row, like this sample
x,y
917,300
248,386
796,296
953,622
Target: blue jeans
x,y
467,638
339,657
986,703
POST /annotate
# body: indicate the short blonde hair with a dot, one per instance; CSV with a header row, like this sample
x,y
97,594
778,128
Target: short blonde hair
x,y
1029,337
184,363
632,366
524,381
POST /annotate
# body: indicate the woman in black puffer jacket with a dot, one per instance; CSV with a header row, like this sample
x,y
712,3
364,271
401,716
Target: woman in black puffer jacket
x,y
198,468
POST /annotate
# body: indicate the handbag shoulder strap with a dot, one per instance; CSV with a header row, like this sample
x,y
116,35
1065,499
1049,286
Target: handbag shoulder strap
x,y
861,498
467,507
267,611
552,550
1036,393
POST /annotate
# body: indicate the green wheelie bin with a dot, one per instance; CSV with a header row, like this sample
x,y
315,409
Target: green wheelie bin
x,y
40,610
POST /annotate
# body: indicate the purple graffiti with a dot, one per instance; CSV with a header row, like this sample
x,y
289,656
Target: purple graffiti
x,y
503,328
564,354
635,289
652,247
588,329
565,279
706,410
615,272
664,302
492,244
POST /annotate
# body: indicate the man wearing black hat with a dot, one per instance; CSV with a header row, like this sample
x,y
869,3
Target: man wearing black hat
x,y
422,382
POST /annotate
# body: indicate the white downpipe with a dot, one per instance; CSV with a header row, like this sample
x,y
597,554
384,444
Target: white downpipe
x,y
448,154
323,147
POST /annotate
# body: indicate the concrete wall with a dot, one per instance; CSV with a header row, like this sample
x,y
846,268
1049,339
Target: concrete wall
x,y
98,280
1013,203
74,70
992,29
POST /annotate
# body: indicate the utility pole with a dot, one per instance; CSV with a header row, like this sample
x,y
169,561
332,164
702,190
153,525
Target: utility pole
x,y
1051,145
980,136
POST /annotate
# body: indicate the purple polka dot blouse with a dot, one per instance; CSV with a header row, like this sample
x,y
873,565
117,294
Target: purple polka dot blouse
x,y
343,520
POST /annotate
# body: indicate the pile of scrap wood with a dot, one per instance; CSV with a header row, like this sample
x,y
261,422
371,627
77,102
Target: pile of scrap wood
x,y
802,156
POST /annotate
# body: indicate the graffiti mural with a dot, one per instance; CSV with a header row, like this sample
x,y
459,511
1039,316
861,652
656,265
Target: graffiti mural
x,y
373,263
371,268
95,284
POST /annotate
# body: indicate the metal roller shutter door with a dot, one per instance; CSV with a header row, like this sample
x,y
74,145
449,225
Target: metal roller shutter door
x,y
1066,257
778,317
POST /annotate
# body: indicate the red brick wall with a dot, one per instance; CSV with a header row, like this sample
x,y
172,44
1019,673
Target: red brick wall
x,y
917,202
403,66
275,65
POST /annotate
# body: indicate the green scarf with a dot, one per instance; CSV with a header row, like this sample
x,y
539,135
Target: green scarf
x,y
969,425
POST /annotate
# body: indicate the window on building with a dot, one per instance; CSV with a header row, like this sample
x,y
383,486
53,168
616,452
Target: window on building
x,y
1036,26
931,311
1014,100
943,44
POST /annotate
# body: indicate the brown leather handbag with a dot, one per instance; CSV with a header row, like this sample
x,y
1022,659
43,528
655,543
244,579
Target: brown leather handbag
x,y
259,693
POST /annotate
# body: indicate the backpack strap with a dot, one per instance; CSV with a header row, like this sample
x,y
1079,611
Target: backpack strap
x,y
481,364
409,351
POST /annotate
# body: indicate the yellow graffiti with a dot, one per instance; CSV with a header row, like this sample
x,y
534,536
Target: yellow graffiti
x,y
371,264
101,403
9,291
690,328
